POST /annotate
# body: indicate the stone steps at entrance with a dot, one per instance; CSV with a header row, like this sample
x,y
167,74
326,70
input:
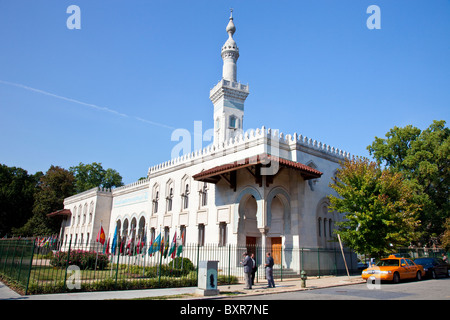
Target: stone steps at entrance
x,y
287,273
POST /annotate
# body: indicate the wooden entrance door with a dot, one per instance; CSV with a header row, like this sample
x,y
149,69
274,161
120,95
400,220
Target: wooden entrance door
x,y
276,250
251,245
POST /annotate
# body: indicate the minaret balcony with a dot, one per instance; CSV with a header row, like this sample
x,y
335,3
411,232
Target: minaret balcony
x,y
229,88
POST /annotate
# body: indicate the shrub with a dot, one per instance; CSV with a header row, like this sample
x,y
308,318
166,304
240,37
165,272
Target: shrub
x,y
185,262
83,259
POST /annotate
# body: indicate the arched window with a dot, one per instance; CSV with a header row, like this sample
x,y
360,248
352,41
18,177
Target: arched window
x,y
170,200
74,215
125,228
80,208
155,198
91,211
204,195
141,228
85,213
186,197
169,195
330,228
319,224
232,122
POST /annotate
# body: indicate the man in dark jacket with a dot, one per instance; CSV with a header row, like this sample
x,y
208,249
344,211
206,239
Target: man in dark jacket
x,y
269,271
248,265
254,269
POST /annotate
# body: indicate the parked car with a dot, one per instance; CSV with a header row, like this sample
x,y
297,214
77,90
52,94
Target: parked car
x,y
361,266
394,269
434,267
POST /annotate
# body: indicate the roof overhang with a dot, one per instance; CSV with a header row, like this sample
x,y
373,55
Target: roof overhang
x,y
254,165
63,213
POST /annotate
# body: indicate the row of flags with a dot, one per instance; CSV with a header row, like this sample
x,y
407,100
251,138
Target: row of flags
x,y
175,248
46,242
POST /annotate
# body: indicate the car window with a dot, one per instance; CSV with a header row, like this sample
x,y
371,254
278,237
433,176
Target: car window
x,y
388,262
410,262
423,260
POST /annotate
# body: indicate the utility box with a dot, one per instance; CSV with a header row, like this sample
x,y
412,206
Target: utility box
x,y
207,278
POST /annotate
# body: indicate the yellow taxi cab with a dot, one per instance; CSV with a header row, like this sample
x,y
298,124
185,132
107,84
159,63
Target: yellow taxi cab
x,y
394,269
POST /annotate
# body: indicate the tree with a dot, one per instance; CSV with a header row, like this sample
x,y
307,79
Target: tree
x,y
381,212
445,239
17,190
424,158
93,175
56,185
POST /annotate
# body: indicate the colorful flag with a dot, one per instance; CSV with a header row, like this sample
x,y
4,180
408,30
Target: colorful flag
x,y
155,245
173,246
101,236
180,246
161,247
123,240
114,243
107,246
143,243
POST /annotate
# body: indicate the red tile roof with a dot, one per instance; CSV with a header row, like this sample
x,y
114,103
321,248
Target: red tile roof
x,y
63,212
306,171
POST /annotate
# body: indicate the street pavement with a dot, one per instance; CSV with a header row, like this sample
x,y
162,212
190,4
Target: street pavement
x,y
189,293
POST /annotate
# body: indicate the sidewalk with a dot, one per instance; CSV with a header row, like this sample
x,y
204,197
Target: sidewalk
x,y
234,290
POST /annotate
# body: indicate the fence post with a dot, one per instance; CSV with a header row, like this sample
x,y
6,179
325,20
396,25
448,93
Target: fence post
x,y
21,259
7,253
13,258
117,267
67,263
281,261
29,269
198,257
229,263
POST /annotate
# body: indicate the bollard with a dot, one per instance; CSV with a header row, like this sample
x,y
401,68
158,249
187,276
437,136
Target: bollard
x,y
303,277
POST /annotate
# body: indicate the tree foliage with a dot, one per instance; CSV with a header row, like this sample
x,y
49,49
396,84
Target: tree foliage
x,y
57,184
25,200
93,175
424,158
381,212
17,189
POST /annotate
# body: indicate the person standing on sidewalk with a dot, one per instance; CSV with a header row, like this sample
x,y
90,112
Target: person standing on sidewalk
x,y
248,265
255,267
269,271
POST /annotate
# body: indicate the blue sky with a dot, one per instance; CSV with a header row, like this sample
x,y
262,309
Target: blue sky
x,y
115,90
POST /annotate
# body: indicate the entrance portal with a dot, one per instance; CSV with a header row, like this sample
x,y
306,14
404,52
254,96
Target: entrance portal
x,y
276,250
251,245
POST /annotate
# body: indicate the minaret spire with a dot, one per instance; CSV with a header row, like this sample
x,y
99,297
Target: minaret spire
x,y
228,96
230,52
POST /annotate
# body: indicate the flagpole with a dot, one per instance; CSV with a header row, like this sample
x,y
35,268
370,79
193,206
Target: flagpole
x,y
112,253
144,248
160,259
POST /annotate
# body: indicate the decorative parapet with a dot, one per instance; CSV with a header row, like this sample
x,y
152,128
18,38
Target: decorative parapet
x,y
250,136
88,193
132,185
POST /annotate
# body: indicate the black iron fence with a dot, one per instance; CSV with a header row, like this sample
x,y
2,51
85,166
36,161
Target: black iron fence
x,y
52,266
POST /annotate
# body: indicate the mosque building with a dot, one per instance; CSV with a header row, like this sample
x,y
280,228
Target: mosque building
x,y
254,187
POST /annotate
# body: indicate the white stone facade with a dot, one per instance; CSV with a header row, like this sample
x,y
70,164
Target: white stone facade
x,y
247,202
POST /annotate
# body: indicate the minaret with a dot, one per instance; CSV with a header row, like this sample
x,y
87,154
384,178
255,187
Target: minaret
x,y
228,96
